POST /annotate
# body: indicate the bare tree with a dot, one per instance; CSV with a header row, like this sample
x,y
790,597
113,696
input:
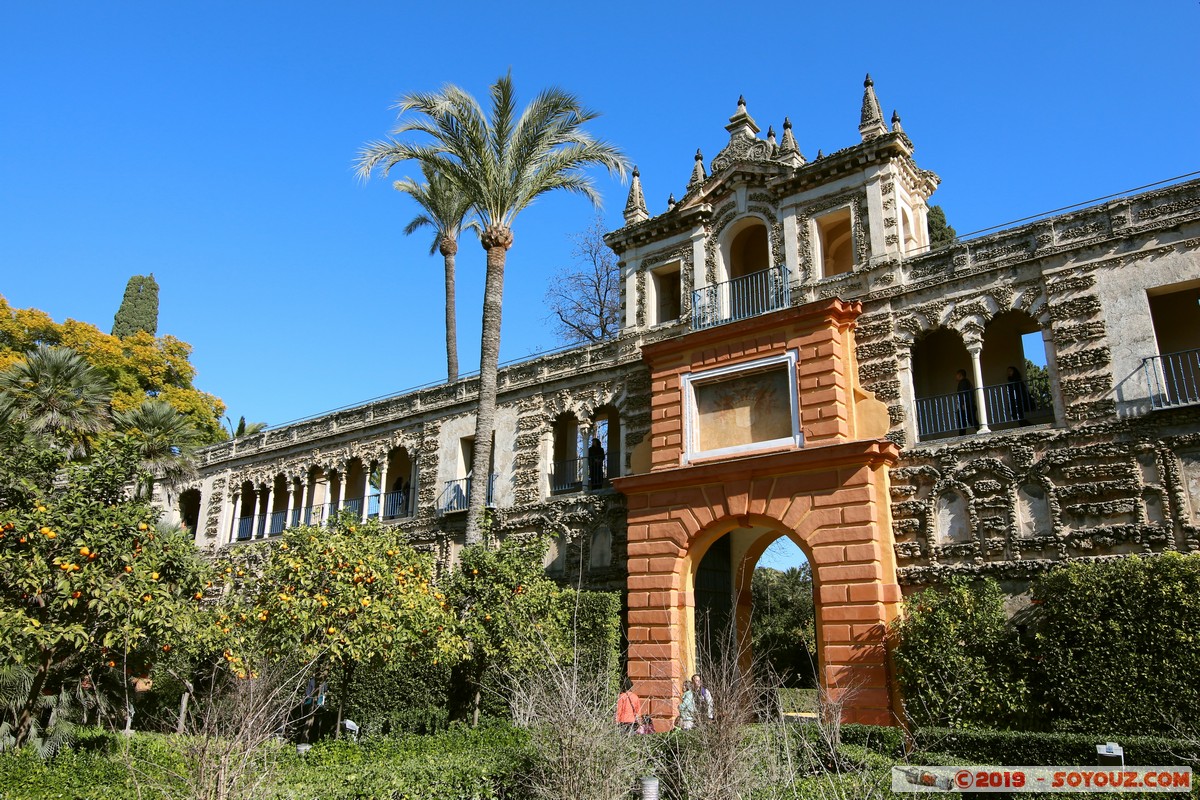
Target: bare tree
x,y
585,299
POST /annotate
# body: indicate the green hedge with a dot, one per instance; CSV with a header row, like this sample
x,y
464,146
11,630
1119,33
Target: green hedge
x,y
459,764
1110,646
1024,748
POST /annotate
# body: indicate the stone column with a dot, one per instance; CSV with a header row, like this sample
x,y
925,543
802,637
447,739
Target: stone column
x,y
291,503
977,371
383,487
342,473
305,500
366,497
237,514
264,525
908,394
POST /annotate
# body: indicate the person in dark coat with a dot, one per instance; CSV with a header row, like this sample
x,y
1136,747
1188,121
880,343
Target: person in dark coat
x,y
964,404
1019,400
595,456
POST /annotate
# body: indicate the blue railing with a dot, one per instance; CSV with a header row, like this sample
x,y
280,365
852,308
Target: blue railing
x,y
396,505
277,523
740,298
1173,378
244,528
456,495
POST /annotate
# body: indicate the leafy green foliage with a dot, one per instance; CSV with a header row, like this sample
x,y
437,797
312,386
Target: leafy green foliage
x,y
1119,644
958,658
139,308
351,593
87,583
56,394
1017,748
940,232
784,629
1037,380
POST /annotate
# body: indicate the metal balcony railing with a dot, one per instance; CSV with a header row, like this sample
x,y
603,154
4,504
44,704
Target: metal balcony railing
x,y
243,528
740,298
276,523
396,505
957,412
353,505
568,476
1173,378
457,493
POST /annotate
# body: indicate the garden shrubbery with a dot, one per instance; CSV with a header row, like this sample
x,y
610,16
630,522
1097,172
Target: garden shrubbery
x,y
1108,647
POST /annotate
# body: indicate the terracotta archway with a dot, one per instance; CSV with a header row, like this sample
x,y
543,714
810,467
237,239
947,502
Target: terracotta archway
x,y
828,491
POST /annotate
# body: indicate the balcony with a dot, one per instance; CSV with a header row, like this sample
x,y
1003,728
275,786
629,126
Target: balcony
x,y
457,493
741,298
1173,378
954,414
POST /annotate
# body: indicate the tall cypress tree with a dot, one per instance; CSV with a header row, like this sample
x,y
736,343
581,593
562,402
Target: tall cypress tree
x,y
139,308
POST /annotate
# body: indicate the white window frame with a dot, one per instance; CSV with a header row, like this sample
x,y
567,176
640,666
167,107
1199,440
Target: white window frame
x,y
692,380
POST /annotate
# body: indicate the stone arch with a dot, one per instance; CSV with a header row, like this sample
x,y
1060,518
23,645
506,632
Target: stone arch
x,y
746,235
950,517
937,356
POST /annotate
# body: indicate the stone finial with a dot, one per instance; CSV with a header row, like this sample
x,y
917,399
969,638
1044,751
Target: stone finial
x,y
741,123
871,124
896,122
671,201
789,151
698,176
771,140
820,154
635,206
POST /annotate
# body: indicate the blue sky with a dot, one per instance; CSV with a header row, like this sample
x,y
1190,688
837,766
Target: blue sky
x,y
211,144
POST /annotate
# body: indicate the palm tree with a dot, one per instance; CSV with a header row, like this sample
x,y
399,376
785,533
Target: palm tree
x,y
164,438
502,163
55,393
244,428
445,208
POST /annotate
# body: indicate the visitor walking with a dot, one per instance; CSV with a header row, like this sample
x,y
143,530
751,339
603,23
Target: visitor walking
x,y
702,699
687,708
629,707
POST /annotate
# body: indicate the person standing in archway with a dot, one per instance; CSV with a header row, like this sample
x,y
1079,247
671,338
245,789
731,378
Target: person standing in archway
x,y
964,404
595,457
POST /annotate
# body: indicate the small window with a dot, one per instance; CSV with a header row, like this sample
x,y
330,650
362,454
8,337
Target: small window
x,y
835,243
743,408
665,300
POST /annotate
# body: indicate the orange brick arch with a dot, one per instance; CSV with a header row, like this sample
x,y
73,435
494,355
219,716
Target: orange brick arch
x,y
830,496
826,499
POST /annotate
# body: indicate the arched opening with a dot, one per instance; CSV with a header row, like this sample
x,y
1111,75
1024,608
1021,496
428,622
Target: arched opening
x,y
322,494
908,232
606,426
568,465
276,519
749,251
357,483
783,625
754,606
189,510
243,523
399,496
942,410
1016,380
835,242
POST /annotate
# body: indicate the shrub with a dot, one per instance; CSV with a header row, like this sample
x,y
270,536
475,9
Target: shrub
x,y
958,658
1023,748
1119,644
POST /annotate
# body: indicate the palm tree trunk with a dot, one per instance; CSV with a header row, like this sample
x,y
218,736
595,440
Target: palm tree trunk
x,y
25,716
496,240
451,323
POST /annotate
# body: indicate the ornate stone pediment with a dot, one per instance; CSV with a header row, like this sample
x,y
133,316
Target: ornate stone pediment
x,y
742,148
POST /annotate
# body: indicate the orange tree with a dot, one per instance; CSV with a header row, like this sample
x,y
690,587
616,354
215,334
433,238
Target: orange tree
x,y
512,617
87,582
350,594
